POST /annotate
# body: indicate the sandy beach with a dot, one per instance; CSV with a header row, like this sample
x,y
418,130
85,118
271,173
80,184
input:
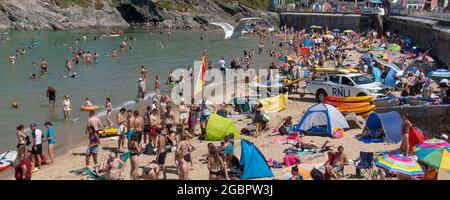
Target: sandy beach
x,y
66,165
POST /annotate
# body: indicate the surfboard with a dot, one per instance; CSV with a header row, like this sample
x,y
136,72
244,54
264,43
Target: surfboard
x,y
6,159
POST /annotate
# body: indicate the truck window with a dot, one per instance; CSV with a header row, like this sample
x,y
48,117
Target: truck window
x,y
334,79
346,81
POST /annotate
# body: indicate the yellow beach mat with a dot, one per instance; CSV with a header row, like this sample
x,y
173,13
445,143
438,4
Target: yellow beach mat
x,y
275,104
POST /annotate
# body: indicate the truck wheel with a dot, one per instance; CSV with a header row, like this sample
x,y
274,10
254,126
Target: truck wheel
x,y
320,95
361,95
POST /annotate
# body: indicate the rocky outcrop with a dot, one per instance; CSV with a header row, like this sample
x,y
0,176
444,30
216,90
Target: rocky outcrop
x,y
189,13
47,14
40,14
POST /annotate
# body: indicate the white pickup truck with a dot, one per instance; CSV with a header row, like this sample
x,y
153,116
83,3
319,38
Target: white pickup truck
x,y
344,85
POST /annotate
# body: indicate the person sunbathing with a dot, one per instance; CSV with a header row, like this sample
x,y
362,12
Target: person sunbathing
x,y
110,167
310,145
368,134
151,171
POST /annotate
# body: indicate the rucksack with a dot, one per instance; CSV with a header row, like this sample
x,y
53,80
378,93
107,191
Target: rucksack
x,y
149,149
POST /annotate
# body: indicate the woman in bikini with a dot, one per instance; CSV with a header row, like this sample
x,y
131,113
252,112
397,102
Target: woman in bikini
x,y
135,150
186,148
21,136
216,166
182,166
151,171
108,107
183,109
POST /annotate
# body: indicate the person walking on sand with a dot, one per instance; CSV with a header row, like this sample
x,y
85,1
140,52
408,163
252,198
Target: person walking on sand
x,y
161,152
259,119
95,122
183,113
154,123
21,136
108,107
130,124
404,146
36,149
121,129
182,166
92,149
169,119
66,107
147,128
50,135
135,151
138,126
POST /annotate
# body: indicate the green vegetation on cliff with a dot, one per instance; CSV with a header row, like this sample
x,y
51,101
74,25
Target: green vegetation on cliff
x,y
97,4
255,4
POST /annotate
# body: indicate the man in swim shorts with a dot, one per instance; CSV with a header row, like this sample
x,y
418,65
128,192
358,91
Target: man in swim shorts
x,y
161,153
121,128
130,124
138,125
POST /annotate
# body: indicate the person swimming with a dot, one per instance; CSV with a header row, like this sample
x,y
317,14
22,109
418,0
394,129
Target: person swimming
x,y
87,102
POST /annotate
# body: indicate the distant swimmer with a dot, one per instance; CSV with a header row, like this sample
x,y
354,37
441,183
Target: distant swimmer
x,y
106,54
87,102
161,45
115,53
96,57
12,59
32,76
15,105
88,58
74,75
43,65
201,36
69,65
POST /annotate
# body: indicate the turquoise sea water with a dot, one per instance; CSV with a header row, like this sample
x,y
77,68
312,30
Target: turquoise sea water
x,y
111,77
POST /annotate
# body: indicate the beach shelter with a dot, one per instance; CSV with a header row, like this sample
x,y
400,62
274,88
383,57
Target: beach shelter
x,y
376,73
336,30
219,127
243,104
315,27
390,122
416,136
390,78
393,47
322,119
253,162
275,104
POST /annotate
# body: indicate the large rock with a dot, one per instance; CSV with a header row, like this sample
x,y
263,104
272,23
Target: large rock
x,y
38,14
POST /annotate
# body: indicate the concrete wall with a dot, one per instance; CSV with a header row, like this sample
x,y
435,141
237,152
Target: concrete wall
x,y
343,21
431,119
423,32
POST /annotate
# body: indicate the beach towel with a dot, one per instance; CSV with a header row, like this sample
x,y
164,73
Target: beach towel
x,y
370,140
289,160
92,174
286,140
300,152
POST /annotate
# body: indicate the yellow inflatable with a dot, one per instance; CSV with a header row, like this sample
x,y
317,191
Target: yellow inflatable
x,y
357,110
108,132
89,108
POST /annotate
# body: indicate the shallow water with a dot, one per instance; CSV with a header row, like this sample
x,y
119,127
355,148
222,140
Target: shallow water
x,y
111,77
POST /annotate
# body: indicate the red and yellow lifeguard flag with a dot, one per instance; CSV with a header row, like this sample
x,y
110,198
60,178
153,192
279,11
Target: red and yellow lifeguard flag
x,y
201,75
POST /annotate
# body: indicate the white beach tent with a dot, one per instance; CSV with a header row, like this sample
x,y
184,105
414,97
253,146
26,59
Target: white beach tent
x,y
322,119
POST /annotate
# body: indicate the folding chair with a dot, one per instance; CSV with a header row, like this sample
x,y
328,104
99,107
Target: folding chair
x,y
365,164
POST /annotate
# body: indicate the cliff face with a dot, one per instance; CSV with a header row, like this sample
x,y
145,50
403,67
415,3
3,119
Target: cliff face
x,y
71,14
180,13
41,14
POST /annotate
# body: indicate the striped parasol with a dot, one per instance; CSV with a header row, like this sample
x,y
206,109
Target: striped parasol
x,y
431,143
399,164
435,153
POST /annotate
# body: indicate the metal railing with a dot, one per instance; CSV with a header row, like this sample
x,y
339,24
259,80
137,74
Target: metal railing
x,y
339,10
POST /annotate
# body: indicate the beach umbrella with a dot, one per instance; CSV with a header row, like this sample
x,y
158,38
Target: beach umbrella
x,y
348,31
394,47
399,164
336,30
438,157
431,143
315,27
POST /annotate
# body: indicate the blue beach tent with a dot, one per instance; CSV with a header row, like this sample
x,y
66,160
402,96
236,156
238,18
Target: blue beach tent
x,y
322,119
390,122
307,43
253,161
390,78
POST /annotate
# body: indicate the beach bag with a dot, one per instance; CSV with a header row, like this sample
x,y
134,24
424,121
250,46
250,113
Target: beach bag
x,y
290,160
283,131
317,174
149,149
